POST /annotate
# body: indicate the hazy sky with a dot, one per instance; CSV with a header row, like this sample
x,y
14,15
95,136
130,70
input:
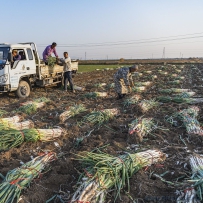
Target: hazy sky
x,y
108,28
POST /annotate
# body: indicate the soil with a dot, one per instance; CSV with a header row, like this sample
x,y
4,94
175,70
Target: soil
x,y
112,137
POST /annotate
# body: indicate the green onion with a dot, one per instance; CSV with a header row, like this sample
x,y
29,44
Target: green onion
x,y
132,100
104,172
99,117
146,105
12,138
142,127
20,178
2,112
95,94
72,111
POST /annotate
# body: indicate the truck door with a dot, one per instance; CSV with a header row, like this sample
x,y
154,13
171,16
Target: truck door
x,y
18,69
31,65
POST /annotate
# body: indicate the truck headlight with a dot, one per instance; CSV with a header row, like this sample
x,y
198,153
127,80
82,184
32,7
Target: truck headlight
x,y
3,78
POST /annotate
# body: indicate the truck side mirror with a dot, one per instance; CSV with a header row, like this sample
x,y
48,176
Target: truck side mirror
x,y
10,57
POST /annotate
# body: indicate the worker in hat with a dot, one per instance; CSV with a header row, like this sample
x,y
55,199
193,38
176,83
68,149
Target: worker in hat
x,y
123,80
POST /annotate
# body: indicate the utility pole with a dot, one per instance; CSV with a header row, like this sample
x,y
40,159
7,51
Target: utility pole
x,y
180,54
85,55
163,56
152,56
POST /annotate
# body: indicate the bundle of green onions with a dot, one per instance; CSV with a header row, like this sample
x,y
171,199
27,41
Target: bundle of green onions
x,y
164,73
100,85
16,126
188,117
99,117
138,84
175,82
174,75
132,100
72,111
173,90
13,138
148,71
142,127
31,107
2,112
164,99
139,89
165,91
178,70
111,86
105,172
146,105
51,61
195,193
185,94
20,178
95,94
154,76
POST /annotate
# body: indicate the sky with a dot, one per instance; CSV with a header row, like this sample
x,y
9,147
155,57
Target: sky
x,y
107,29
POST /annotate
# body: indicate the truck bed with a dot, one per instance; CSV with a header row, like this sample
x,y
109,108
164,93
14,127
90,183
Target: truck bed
x,y
47,71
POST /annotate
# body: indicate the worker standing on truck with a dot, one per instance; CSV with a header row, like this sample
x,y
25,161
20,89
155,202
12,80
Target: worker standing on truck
x,y
15,54
48,51
67,71
123,80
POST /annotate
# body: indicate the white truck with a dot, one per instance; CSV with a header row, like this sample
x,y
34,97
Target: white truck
x,y
21,75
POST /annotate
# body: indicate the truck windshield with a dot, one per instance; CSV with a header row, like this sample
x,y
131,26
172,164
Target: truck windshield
x,y
3,56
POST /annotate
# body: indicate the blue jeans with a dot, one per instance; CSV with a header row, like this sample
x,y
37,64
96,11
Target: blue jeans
x,y
68,78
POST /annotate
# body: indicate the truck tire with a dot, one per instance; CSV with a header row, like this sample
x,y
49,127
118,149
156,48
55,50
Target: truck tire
x,y
23,90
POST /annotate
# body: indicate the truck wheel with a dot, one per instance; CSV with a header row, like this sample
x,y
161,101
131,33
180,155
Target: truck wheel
x,y
23,90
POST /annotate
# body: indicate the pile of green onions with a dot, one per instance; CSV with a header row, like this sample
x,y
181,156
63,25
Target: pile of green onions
x,y
100,117
111,86
146,105
142,127
175,82
99,85
138,84
195,193
139,89
13,138
189,119
132,100
20,178
31,107
104,172
173,90
72,111
95,94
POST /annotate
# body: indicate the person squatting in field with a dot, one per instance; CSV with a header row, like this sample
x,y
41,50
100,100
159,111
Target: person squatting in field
x,y
123,80
67,71
48,51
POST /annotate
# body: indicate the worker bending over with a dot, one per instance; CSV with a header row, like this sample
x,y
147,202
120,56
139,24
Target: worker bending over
x,y
123,80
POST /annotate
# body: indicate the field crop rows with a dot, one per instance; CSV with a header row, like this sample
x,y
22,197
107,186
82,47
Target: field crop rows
x,y
159,124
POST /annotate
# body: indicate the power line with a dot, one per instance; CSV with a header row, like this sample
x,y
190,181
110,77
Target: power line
x,y
121,42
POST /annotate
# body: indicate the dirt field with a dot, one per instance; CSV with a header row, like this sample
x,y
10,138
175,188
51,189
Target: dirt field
x,y
113,136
